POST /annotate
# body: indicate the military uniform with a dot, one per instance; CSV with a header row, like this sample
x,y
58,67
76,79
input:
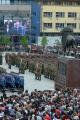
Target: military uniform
x,y
21,68
51,74
47,72
38,72
31,67
12,58
17,62
30,64
9,62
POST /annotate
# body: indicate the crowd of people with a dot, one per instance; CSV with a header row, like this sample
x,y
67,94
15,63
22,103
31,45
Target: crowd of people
x,y
41,105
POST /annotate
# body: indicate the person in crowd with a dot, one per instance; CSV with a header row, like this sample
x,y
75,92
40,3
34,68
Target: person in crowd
x,y
41,105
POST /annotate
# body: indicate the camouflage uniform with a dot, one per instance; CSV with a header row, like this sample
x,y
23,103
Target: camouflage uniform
x,y
38,72
13,59
17,62
31,66
51,74
47,72
25,62
21,68
9,62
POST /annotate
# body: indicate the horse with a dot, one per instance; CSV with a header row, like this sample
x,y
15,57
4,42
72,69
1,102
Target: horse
x,y
70,43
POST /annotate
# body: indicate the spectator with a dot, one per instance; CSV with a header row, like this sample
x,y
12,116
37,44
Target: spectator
x,y
41,105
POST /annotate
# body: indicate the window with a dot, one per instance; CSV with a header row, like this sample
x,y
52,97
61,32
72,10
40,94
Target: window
x,y
72,14
47,14
47,25
60,14
59,25
72,25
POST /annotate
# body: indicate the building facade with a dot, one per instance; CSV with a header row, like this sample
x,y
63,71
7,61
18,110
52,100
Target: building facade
x,y
57,15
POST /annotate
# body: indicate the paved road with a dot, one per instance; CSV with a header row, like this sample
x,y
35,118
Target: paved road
x,y
29,79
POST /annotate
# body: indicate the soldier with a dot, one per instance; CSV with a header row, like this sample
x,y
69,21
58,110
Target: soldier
x,y
6,57
33,67
17,62
9,62
22,67
25,63
38,72
47,72
13,59
42,69
30,66
51,74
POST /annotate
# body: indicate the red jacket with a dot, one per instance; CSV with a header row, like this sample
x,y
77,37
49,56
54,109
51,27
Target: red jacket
x,y
47,117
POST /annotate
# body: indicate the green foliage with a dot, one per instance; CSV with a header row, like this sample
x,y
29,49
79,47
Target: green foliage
x,y
44,41
24,40
5,40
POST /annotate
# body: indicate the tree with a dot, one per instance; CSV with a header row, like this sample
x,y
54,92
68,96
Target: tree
x,y
44,41
5,40
24,41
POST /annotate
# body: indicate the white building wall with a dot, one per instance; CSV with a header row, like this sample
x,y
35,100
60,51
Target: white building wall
x,y
51,40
